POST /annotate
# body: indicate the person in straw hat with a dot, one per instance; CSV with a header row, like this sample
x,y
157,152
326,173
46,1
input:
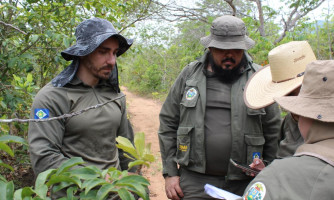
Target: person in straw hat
x,y
90,79
282,77
204,121
309,174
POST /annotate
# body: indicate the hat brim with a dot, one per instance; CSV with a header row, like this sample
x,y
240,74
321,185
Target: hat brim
x,y
245,43
314,108
260,90
90,45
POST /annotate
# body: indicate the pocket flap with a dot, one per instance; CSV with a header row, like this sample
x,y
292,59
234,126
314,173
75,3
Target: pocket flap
x,y
261,111
254,140
183,131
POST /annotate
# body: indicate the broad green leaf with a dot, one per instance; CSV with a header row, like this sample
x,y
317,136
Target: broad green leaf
x,y
140,143
133,179
114,173
17,194
6,190
61,178
84,173
128,156
105,190
125,195
29,77
68,164
90,184
4,147
135,163
27,192
89,196
6,165
131,150
70,193
13,138
149,158
136,188
42,191
60,186
124,141
42,177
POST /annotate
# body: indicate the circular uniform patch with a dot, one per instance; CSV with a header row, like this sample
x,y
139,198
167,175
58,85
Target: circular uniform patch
x,y
256,192
191,94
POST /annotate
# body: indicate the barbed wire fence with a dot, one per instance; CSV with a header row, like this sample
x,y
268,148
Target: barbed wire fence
x,y
68,115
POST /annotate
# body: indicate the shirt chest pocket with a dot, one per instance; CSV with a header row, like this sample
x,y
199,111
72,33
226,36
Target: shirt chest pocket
x,y
190,94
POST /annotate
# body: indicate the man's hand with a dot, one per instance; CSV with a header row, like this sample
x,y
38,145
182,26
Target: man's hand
x,y
172,187
257,164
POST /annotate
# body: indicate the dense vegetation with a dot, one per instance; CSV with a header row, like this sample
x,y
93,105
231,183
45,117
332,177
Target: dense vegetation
x,y
33,33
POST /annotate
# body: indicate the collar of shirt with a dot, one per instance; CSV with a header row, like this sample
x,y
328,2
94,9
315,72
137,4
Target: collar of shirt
x,y
68,76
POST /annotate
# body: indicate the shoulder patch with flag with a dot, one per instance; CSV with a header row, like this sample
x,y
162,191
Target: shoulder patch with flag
x,y
41,113
256,192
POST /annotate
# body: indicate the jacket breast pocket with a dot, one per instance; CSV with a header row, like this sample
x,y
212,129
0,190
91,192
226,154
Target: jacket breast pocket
x,y
254,145
190,94
183,145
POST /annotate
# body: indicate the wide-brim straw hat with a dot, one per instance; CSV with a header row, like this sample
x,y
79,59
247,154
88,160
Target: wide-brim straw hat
x,y
316,97
90,34
284,74
228,32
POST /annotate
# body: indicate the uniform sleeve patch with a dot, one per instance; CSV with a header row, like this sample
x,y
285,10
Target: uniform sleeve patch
x,y
41,113
256,192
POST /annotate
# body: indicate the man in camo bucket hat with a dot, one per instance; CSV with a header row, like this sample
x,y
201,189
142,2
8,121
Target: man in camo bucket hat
x,y
89,80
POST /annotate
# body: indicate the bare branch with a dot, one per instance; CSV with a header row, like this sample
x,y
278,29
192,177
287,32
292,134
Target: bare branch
x,y
9,25
230,2
261,17
294,17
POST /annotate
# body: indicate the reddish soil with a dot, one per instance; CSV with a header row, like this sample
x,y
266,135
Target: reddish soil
x,y
144,116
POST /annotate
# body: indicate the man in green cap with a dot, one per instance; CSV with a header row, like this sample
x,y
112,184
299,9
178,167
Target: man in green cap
x,y
204,121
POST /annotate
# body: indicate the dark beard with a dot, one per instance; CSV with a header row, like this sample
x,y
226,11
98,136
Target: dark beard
x,y
226,75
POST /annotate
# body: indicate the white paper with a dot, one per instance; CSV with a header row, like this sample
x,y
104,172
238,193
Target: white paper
x,y
219,193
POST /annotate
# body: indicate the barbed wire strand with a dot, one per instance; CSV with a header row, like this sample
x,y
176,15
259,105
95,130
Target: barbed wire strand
x,y
61,116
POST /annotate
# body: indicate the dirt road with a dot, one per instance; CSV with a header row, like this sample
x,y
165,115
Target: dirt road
x,y
144,116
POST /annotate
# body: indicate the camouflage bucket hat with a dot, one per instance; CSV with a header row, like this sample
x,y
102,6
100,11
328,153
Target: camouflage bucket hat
x,y
228,32
90,34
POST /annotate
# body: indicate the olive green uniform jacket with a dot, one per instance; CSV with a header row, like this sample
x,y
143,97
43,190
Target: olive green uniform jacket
x,y
181,132
290,137
90,135
298,178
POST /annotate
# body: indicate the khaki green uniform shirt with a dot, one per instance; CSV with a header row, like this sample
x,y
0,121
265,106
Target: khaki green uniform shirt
x,y
290,137
90,135
181,132
297,178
